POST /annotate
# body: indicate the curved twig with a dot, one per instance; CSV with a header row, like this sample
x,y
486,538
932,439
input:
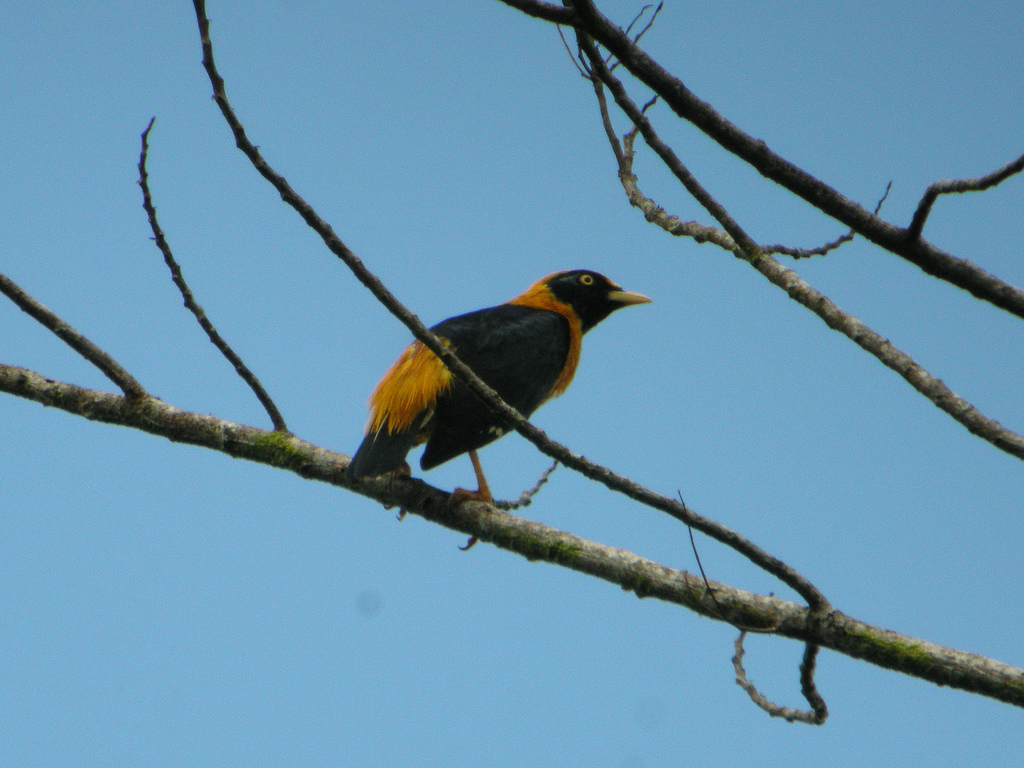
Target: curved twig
x,y
107,365
526,497
805,253
818,712
807,685
950,186
821,250
190,303
747,248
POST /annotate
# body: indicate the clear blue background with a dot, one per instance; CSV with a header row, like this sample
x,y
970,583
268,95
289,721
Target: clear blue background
x,y
163,605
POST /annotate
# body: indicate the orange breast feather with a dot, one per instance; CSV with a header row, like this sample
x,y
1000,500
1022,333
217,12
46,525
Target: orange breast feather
x,y
411,386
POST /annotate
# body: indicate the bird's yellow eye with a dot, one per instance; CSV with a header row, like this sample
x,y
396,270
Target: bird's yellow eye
x,y
586,279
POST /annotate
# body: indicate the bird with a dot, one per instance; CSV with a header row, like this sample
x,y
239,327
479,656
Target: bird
x,y
526,349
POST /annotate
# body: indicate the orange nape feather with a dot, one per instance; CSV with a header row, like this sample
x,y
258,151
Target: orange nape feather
x,y
539,296
411,386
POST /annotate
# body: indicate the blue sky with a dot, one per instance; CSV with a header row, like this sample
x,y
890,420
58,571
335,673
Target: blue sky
x,y
167,606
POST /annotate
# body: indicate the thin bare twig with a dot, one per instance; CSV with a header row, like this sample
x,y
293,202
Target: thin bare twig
x,y
950,186
625,165
805,253
711,590
488,396
107,365
190,303
799,290
526,497
700,567
636,39
808,687
653,212
821,250
818,712
573,59
746,245
636,18
650,23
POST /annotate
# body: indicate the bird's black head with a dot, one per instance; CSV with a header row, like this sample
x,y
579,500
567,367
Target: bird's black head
x,y
591,295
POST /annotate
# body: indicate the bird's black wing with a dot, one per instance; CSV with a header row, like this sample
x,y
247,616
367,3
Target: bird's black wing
x,y
519,351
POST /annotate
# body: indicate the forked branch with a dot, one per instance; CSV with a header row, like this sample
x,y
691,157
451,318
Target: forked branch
x,y
818,625
534,541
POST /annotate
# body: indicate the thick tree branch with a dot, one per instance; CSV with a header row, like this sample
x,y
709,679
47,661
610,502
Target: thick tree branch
x,y
799,290
190,303
934,261
534,541
108,365
555,450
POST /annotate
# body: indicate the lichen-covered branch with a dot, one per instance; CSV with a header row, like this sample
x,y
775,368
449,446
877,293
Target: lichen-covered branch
x,y
535,541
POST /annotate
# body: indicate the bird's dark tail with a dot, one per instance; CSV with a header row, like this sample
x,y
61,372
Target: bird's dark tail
x,y
380,453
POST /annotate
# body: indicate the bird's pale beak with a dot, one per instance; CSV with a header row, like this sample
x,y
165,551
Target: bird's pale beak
x,y
626,298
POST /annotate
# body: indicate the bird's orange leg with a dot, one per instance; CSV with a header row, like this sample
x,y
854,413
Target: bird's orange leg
x,y
402,471
482,492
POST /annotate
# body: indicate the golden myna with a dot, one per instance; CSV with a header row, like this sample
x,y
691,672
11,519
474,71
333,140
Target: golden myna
x,y
527,350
